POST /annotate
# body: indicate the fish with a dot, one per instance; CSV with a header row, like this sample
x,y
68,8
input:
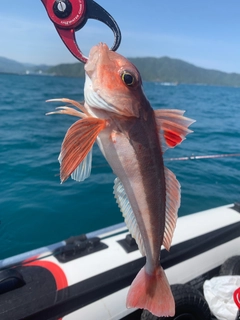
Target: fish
x,y
132,136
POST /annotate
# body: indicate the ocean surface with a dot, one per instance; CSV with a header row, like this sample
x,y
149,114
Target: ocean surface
x,y
36,210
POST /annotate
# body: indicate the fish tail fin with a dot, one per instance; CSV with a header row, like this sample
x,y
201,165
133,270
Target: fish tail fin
x,y
152,292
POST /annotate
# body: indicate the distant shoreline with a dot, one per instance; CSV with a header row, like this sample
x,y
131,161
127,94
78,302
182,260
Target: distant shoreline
x,y
163,84
164,70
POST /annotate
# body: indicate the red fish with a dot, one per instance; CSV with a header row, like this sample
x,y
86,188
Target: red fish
x,y
131,136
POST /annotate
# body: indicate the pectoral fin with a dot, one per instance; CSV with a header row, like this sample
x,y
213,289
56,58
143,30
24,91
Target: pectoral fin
x,y
76,146
83,171
173,126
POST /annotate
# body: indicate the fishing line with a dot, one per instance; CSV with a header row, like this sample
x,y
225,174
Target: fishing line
x,y
212,156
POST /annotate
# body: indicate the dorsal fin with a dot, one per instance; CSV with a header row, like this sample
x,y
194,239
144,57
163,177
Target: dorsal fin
x,y
172,125
172,205
127,212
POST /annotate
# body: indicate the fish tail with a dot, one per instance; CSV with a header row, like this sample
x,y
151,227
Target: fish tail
x,y
152,292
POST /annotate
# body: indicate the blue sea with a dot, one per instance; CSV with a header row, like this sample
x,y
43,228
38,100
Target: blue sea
x,y
36,210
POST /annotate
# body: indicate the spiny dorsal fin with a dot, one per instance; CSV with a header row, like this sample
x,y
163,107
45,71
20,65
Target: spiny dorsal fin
x,y
173,126
172,205
77,144
126,209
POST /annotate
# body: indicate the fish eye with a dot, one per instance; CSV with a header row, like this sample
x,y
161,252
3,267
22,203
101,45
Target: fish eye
x,y
128,78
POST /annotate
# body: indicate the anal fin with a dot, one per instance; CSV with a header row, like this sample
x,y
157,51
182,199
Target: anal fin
x,y
127,212
172,205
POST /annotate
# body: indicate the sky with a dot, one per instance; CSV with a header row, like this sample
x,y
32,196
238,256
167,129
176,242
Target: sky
x,y
204,32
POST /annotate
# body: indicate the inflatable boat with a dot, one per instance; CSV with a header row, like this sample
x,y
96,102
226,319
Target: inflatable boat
x,y
88,276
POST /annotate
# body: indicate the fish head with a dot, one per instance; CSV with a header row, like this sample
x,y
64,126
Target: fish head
x,y
112,83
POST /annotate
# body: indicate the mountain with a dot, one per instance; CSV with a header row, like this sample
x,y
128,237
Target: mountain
x,y
163,69
12,66
68,70
174,70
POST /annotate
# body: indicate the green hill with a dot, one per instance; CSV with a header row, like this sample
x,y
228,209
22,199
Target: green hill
x,y
164,70
68,70
152,69
173,70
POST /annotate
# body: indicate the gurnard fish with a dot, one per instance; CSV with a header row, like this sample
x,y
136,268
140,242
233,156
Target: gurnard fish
x,y
132,137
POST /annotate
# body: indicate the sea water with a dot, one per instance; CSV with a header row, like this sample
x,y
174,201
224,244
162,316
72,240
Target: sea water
x,y
36,210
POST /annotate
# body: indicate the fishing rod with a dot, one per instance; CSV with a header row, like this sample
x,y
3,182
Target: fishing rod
x,y
212,156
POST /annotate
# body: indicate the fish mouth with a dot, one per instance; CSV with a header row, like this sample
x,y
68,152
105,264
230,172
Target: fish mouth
x,y
98,52
99,55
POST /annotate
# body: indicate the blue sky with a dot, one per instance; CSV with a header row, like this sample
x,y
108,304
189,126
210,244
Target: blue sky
x,y
205,33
